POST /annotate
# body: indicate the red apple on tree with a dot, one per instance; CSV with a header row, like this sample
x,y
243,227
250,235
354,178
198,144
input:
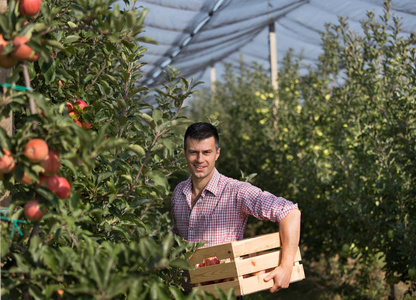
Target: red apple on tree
x,y
85,124
26,179
33,211
77,122
29,7
49,182
74,115
6,60
22,51
69,107
36,150
64,189
51,163
80,105
7,162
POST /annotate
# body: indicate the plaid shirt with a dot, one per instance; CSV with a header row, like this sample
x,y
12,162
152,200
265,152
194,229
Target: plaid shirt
x,y
220,214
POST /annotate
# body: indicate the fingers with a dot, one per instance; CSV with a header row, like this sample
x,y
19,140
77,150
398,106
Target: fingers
x,y
280,281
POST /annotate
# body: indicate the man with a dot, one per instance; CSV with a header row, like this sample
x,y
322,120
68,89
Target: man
x,y
214,208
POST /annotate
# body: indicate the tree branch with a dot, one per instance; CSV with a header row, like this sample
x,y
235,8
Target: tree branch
x,y
96,77
32,106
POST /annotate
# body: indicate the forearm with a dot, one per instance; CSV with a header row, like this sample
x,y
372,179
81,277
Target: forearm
x,y
289,230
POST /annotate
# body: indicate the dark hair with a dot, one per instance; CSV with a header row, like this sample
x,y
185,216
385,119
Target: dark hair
x,y
201,131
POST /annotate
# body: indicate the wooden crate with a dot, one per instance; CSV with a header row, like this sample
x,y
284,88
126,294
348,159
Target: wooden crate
x,y
240,260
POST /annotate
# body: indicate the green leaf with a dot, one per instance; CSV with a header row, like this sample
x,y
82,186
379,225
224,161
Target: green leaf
x,y
127,177
147,118
158,178
5,244
4,139
180,263
71,24
157,293
167,244
48,69
138,150
54,44
51,261
156,115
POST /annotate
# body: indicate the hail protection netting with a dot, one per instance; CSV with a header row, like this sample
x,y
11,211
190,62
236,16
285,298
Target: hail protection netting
x,y
194,35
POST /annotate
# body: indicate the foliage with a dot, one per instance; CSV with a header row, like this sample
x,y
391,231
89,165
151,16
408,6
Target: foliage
x,y
342,144
110,238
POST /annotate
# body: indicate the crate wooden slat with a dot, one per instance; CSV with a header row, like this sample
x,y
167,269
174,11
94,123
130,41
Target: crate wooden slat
x,y
262,262
256,244
244,269
215,272
256,283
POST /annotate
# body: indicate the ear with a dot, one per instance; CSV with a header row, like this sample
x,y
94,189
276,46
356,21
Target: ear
x,y
218,154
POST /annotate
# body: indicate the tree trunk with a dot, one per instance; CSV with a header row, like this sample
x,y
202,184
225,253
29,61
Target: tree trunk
x,y
392,295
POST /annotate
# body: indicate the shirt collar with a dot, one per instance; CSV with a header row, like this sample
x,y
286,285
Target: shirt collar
x,y
212,185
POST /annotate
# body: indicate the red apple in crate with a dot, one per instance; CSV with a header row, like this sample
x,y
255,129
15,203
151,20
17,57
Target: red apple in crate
x,y
211,261
33,211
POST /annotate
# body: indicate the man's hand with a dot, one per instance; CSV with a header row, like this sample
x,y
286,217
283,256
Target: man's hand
x,y
281,276
289,229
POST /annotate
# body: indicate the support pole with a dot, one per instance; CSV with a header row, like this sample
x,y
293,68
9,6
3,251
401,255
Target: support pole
x,y
273,57
213,78
3,6
273,69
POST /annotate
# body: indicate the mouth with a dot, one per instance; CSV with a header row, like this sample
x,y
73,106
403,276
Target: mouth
x,y
199,168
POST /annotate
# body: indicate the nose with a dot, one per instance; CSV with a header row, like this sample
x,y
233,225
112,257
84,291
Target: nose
x,y
199,157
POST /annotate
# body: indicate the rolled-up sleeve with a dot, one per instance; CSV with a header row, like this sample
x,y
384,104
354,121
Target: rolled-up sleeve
x,y
264,205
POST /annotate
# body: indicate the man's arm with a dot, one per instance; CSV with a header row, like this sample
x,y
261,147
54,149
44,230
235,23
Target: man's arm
x,y
289,230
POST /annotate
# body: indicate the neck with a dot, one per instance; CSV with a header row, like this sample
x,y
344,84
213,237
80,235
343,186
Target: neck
x,y
198,184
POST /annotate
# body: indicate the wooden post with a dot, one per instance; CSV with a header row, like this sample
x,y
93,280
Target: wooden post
x,y
213,78
7,125
3,6
274,69
273,57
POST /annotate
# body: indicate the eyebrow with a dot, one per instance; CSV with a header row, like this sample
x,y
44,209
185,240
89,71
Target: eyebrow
x,y
207,150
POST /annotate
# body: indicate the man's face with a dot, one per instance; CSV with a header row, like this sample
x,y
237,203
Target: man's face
x,y
201,157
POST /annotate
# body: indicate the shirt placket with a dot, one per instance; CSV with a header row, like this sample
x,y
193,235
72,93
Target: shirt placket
x,y
194,216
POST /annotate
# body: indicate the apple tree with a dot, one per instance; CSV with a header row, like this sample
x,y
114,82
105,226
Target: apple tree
x,y
87,218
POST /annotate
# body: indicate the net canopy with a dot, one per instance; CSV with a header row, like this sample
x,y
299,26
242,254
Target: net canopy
x,y
194,35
